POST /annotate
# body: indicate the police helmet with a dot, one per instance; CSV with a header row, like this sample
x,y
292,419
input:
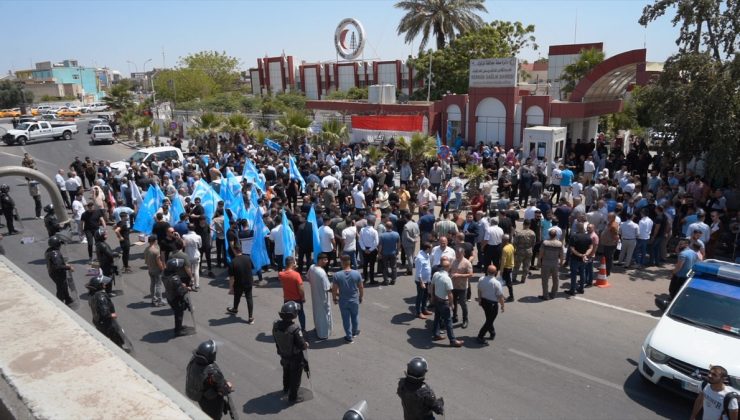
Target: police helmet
x,y
100,234
55,242
175,264
356,412
98,283
352,415
417,368
290,309
207,350
4,188
49,208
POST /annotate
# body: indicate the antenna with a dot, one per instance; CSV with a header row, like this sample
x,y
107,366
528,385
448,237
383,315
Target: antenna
x,y
575,29
164,66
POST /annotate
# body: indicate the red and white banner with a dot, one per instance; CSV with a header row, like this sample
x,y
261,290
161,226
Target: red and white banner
x,y
373,128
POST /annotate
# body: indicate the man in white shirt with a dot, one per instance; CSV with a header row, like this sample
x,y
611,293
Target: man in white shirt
x,y
490,298
628,231
712,397
359,198
425,198
643,236
72,184
330,181
78,207
327,242
492,243
276,236
369,247
555,177
700,226
441,250
59,180
349,242
193,243
436,175
575,188
529,211
588,169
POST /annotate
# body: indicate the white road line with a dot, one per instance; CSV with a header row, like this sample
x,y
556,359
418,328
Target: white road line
x,y
381,305
568,370
619,308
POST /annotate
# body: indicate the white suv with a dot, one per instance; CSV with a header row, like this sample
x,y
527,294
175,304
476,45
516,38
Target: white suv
x,y
145,156
699,328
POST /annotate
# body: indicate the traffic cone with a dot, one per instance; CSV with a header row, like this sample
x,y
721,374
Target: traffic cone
x,y
601,280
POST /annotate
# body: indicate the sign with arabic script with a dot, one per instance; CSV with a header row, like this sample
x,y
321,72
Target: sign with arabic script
x,y
493,72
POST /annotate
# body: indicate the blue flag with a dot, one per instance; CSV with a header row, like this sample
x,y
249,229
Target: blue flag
x,y
296,174
231,194
288,239
439,141
259,248
315,234
273,145
176,208
449,131
252,175
151,202
208,198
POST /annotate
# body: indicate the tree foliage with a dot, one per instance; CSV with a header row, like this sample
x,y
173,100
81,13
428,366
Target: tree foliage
x,y
451,66
706,25
440,18
223,70
354,93
119,96
183,85
12,94
574,72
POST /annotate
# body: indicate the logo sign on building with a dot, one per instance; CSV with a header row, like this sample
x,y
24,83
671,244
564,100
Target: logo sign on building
x,y
493,72
349,38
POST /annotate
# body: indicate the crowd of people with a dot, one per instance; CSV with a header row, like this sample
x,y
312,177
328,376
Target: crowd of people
x,y
376,220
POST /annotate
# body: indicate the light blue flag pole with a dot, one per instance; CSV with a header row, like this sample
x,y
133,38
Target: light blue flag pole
x,y
259,249
288,239
295,173
315,234
145,218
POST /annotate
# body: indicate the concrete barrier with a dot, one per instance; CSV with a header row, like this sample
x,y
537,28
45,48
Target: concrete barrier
x,y
56,365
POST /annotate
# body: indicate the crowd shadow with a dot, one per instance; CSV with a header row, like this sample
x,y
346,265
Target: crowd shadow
x,y
157,337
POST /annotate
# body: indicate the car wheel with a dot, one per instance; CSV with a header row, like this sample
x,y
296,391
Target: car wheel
x,y
22,141
67,135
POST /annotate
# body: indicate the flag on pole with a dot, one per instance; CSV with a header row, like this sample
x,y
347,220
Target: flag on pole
x,y
288,239
252,175
208,198
135,193
273,145
231,194
439,141
176,209
259,248
150,203
295,173
315,234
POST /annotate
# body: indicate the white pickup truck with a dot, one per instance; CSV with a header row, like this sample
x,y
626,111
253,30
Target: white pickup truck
x,y
41,130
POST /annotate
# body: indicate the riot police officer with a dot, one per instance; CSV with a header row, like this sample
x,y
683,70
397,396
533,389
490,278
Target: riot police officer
x,y
8,206
51,222
290,346
102,308
417,398
176,279
58,268
205,382
105,258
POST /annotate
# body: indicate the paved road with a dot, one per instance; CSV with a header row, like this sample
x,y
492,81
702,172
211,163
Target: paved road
x,y
567,358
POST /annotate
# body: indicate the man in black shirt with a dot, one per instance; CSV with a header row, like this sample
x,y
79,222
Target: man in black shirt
x,y
168,244
122,231
580,247
160,228
658,236
240,275
91,220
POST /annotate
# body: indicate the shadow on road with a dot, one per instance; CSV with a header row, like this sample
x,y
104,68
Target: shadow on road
x,y
231,319
420,338
403,319
654,398
530,299
273,402
327,344
163,312
264,338
156,337
139,305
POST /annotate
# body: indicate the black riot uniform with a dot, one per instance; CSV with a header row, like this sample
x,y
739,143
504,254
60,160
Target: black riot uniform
x,y
176,285
51,222
417,398
8,205
58,268
106,258
205,382
290,346
102,308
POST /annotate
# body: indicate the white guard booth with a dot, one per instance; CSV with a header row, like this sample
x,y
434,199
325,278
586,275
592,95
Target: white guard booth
x,y
542,142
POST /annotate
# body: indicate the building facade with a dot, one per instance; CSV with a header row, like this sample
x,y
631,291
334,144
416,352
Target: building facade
x,y
84,83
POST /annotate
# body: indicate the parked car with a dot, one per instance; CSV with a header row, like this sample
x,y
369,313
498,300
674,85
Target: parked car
x,y
93,122
10,113
41,130
49,117
67,112
26,118
145,156
699,328
102,133
97,107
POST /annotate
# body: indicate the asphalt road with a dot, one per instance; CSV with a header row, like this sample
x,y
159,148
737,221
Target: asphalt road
x,y
567,358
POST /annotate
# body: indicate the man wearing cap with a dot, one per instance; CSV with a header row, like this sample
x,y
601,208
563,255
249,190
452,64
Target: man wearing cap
x,y
699,225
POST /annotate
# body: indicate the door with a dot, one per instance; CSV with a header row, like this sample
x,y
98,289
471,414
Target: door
x,y
490,126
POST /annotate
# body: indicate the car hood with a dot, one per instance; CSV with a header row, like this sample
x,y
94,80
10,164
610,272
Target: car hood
x,y
695,345
16,132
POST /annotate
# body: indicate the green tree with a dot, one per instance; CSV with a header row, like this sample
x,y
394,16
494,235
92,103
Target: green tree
x,y
354,93
451,66
294,124
333,133
238,122
222,69
119,96
208,123
574,72
12,94
440,18
183,85
419,149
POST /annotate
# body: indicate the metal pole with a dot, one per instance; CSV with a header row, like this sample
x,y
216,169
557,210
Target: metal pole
x,y
429,79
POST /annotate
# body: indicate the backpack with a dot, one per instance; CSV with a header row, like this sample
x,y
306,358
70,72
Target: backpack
x,y
726,401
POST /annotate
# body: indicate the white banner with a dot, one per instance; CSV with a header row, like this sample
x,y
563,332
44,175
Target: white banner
x,y
493,72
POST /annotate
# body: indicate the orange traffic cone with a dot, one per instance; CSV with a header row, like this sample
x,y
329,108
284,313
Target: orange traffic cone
x,y
601,280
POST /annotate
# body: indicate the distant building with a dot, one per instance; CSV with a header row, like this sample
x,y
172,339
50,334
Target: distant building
x,y
65,79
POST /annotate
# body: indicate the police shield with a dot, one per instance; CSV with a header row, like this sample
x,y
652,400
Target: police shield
x,y
75,304
233,413
119,337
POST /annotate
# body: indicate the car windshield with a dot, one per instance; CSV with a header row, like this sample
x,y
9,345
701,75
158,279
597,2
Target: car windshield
x,y
23,126
138,157
713,304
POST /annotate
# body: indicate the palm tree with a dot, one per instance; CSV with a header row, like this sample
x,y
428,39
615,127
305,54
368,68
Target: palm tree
x,y
238,122
475,175
333,133
127,120
440,17
294,124
119,96
418,150
208,123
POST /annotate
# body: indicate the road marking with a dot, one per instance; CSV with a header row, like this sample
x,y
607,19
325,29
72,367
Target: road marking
x,y
21,157
567,369
619,308
381,305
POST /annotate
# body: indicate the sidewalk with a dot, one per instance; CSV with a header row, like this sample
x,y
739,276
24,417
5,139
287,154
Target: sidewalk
x,y
58,366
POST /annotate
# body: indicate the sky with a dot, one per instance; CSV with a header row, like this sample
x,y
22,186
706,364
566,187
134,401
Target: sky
x,y
123,35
